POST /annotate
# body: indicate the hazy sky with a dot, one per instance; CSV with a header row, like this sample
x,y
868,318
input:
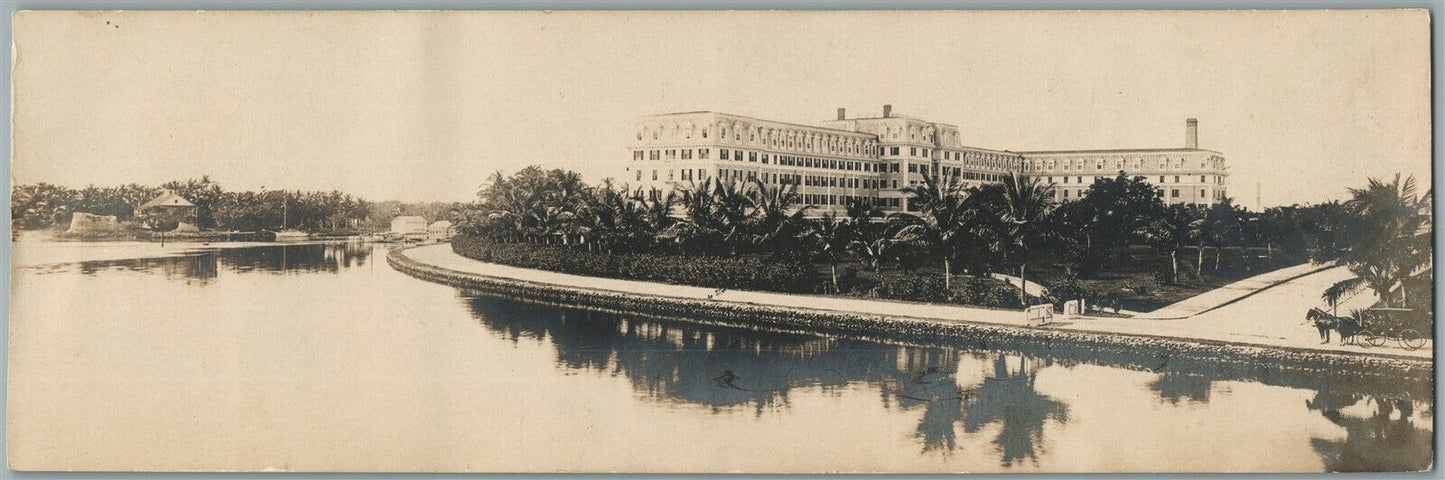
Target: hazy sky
x,y
424,105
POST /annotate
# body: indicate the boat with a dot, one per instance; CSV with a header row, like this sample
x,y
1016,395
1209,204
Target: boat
x,y
286,234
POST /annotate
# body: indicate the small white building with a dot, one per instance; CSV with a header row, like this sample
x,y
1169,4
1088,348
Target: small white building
x,y
440,230
409,226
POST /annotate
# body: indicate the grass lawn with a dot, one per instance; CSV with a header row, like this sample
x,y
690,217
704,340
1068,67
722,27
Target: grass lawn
x,y
1135,284
1133,280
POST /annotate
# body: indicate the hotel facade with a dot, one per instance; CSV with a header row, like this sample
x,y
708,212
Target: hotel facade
x,y
875,158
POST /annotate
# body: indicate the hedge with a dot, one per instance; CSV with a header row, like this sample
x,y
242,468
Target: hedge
x,y
739,272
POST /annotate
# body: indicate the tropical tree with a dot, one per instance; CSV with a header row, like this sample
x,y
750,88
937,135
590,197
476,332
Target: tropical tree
x,y
1026,207
1070,224
1223,227
829,238
1172,231
869,238
1280,228
1119,207
941,225
1390,237
776,219
716,216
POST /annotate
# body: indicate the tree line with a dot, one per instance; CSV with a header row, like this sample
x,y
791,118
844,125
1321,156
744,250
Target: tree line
x,y
43,205
1007,226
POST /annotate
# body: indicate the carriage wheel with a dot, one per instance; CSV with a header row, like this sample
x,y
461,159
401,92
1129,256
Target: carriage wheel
x,y
1361,338
1411,339
1375,340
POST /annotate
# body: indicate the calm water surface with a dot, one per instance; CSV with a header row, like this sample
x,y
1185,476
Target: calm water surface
x,y
317,356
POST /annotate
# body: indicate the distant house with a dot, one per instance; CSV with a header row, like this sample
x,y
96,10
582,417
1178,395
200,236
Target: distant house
x,y
409,226
167,211
440,230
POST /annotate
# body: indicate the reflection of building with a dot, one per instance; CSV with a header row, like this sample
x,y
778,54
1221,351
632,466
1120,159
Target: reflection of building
x,y
440,230
409,226
873,159
168,211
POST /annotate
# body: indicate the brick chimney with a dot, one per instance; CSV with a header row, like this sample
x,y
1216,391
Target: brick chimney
x,y
887,111
1191,133
841,112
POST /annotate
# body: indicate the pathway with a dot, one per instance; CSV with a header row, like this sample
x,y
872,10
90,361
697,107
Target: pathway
x,y
1254,320
1235,291
1274,313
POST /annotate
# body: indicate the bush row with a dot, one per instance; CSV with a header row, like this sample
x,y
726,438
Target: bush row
x,y
740,272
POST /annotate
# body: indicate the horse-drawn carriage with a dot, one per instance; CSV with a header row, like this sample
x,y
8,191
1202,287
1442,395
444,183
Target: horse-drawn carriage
x,y
1374,327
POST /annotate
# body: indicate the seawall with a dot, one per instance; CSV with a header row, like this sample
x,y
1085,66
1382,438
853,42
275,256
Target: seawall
x,y
925,330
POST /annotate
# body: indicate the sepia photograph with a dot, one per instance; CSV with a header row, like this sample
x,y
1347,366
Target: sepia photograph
x,y
751,241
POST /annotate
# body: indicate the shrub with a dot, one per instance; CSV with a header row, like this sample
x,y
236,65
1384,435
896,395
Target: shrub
x,y
1164,276
1068,289
990,294
913,287
848,280
741,272
1140,289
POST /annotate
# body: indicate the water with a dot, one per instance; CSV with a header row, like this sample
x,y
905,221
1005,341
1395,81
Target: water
x,y
321,357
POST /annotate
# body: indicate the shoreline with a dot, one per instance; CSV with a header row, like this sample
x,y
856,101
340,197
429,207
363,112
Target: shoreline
x,y
31,254
913,328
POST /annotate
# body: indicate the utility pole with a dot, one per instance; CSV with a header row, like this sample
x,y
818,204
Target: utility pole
x,y
1258,206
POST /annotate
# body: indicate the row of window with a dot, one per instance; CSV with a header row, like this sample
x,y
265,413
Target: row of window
x,y
757,157
1099,165
850,165
829,144
1173,193
1098,178
671,154
988,162
767,177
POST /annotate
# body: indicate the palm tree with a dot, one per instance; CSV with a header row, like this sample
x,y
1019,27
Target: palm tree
x,y
830,237
1176,228
941,225
1026,206
1390,237
868,238
775,217
716,215
1222,228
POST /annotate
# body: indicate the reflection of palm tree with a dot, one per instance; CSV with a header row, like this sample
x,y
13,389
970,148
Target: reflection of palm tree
x,y
708,365
1011,399
1175,386
1376,443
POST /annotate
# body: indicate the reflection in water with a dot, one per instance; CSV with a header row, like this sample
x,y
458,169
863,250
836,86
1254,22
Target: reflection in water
x,y
722,367
1174,387
1382,438
199,267
958,404
1008,397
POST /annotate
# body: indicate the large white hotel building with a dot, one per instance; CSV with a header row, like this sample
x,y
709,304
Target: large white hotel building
x,y
874,158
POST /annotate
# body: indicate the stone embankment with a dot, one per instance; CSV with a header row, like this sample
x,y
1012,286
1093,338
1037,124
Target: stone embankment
x,y
914,329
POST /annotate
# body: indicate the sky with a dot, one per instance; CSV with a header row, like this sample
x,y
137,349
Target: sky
x,y
421,106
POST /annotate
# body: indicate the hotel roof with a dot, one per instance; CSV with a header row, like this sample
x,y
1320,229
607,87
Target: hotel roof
x,y
755,119
1116,150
